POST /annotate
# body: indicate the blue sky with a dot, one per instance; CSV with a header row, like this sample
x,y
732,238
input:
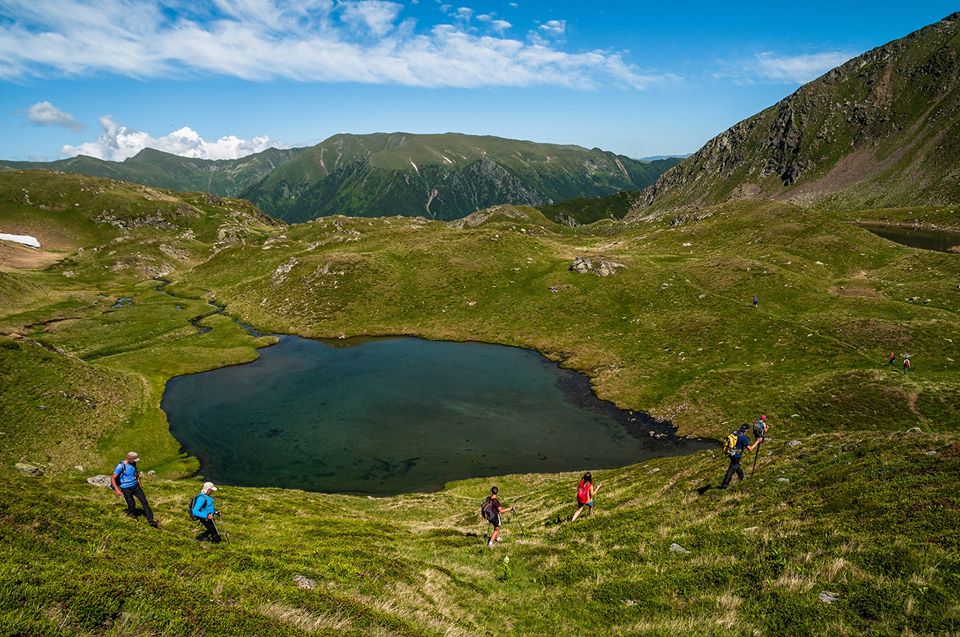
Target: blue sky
x,y
224,78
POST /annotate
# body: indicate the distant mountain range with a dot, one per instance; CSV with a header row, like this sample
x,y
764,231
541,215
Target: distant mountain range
x,y
441,176
880,130
225,177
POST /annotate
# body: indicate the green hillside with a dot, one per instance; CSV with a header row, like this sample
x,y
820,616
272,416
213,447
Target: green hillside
x,y
880,130
845,503
583,210
440,176
224,177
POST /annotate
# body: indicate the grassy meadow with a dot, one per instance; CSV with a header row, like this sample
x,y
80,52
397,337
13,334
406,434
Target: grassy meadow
x,y
855,493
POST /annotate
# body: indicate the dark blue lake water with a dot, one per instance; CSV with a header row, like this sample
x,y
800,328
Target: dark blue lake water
x,y
391,415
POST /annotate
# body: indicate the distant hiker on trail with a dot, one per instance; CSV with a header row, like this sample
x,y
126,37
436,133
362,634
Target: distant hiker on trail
x,y
906,363
126,483
585,492
892,360
203,510
491,510
760,428
734,446
756,301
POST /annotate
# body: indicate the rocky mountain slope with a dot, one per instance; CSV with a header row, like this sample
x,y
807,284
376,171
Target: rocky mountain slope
x,y
224,177
880,130
440,176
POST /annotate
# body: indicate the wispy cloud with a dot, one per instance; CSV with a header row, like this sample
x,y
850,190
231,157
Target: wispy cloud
x,y
365,41
46,114
554,27
799,68
781,68
118,142
375,16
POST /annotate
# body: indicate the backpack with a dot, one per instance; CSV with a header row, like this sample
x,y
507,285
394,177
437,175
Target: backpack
x,y
759,428
488,509
193,502
583,492
730,444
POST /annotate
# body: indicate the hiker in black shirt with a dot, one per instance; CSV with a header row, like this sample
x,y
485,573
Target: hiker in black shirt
x,y
491,510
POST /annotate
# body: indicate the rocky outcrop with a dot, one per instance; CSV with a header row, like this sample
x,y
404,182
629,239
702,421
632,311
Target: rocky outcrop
x,y
29,469
99,481
600,267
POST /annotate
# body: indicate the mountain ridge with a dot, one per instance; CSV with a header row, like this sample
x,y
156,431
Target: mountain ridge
x,y
882,129
444,176
159,169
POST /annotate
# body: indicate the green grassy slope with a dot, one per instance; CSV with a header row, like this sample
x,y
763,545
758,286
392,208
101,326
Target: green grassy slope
x,y
858,508
587,210
816,517
440,176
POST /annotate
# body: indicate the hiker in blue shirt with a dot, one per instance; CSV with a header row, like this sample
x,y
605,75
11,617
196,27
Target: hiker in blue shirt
x,y
743,446
203,510
126,482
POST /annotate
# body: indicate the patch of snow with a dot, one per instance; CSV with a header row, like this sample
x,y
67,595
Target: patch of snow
x,y
24,239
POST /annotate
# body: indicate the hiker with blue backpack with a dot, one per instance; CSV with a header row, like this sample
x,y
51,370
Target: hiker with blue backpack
x,y
735,445
585,492
202,509
125,480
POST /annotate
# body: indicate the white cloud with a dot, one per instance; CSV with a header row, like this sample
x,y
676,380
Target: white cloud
x,y
365,41
554,27
797,69
375,16
490,19
46,114
119,142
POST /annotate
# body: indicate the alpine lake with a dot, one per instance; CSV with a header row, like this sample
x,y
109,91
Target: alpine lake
x,y
381,416
921,238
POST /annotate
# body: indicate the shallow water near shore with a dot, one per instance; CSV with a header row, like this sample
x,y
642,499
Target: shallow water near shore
x,y
390,415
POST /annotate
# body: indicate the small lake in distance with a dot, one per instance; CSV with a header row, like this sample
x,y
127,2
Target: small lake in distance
x,y
924,239
391,415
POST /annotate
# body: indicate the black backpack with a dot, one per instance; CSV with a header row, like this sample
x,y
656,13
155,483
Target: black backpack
x,y
488,509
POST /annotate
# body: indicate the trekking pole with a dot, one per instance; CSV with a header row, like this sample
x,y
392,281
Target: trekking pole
x,y
755,456
223,536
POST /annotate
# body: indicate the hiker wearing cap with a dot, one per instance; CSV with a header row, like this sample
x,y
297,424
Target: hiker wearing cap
x,y
491,510
760,427
204,510
126,482
736,451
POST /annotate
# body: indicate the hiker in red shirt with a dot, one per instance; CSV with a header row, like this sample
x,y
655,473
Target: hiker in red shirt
x,y
585,492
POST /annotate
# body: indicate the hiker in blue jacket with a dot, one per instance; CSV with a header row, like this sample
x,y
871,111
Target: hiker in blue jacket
x,y
204,510
743,446
126,482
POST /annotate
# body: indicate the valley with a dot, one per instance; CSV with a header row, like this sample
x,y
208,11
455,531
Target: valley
x,y
356,359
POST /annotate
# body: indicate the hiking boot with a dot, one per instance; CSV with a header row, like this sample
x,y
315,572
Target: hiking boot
x,y
490,544
131,514
154,524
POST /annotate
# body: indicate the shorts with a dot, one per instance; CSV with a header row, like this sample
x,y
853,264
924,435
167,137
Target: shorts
x,y
585,504
495,520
